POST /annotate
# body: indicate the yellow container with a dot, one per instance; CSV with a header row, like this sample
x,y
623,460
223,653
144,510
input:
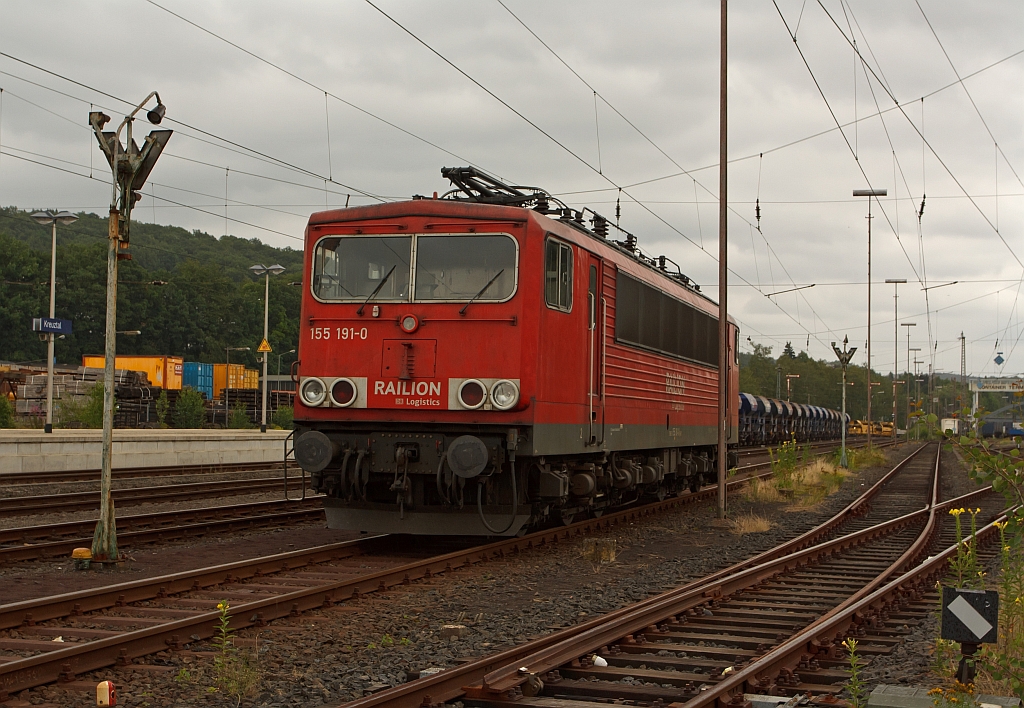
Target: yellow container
x,y
221,379
251,379
162,371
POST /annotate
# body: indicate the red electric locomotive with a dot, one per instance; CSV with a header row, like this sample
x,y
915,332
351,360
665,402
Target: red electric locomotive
x,y
484,362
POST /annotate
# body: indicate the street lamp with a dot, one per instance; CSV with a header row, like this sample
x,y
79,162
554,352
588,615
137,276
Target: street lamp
x,y
227,380
844,359
129,167
895,343
129,332
869,193
279,356
64,218
788,378
260,269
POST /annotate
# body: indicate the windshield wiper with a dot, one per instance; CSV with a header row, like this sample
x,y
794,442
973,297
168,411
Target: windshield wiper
x,y
375,291
481,291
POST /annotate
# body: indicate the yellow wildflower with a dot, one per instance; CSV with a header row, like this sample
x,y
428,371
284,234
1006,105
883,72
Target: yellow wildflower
x,y
1000,525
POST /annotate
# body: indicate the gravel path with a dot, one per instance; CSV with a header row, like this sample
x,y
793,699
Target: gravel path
x,y
329,656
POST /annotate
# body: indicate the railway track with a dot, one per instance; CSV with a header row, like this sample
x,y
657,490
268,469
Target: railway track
x,y
70,501
64,476
123,622
773,624
53,540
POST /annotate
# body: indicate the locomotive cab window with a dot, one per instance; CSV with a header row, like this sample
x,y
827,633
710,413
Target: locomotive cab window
x,y
465,267
558,275
353,267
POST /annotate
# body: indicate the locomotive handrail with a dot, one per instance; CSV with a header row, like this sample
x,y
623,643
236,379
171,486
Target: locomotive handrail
x,y
291,451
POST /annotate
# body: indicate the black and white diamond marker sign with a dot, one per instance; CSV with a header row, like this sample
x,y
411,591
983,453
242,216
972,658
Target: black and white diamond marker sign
x,y
970,616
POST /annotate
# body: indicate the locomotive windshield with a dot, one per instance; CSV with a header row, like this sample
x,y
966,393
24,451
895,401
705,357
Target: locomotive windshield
x,y
352,267
447,268
459,267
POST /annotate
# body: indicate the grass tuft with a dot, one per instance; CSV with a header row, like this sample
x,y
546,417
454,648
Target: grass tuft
x,y
751,523
762,490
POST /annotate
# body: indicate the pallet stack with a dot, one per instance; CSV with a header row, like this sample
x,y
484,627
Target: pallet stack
x,y
134,395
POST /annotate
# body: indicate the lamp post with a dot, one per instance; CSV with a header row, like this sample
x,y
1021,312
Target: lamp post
x,y
789,377
279,356
895,343
50,217
260,269
227,379
844,357
869,193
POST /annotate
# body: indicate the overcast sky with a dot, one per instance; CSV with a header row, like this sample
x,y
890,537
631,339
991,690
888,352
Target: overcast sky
x,y
397,113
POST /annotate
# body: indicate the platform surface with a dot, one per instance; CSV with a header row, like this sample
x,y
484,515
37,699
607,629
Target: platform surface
x,y
36,451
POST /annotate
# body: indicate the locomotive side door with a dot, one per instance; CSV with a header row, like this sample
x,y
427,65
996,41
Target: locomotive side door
x,y
596,325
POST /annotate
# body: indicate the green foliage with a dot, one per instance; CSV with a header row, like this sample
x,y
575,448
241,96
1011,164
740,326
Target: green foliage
x,y
189,411
1003,662
784,459
81,411
6,413
965,565
239,418
210,301
163,406
855,685
283,418
235,673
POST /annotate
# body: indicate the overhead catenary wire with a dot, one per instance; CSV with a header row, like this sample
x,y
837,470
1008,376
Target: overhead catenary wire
x,y
248,150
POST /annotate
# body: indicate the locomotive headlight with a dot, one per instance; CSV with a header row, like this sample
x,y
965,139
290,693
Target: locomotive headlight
x,y
472,394
409,323
504,395
343,393
313,392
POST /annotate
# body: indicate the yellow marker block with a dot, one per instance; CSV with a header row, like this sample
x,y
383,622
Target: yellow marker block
x,y
81,558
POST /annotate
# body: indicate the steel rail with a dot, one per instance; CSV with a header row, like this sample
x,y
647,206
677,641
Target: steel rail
x,y
501,672
128,538
28,505
56,476
843,620
69,661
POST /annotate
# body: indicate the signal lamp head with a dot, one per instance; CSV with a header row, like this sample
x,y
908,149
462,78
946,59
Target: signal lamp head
x,y
343,393
313,392
472,394
157,114
409,323
504,395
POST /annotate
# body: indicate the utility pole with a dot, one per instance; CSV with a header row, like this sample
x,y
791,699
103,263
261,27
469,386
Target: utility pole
x,y
264,348
844,357
723,269
130,166
869,193
963,370
895,344
908,325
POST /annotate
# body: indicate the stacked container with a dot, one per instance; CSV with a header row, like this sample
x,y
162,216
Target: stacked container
x,y
251,379
198,376
162,371
223,378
